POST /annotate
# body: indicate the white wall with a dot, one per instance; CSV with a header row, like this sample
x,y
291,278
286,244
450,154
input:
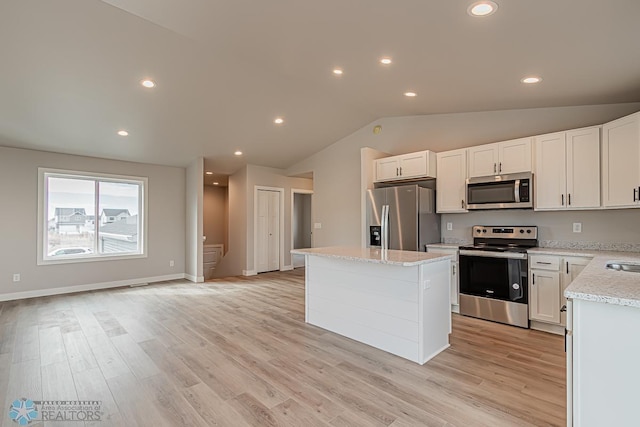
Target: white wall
x,y
215,214
194,224
18,220
337,171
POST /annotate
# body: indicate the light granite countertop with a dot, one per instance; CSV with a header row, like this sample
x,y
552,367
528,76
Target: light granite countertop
x,y
597,283
568,252
443,245
372,255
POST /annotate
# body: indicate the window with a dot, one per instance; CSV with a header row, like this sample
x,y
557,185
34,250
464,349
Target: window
x,y
90,217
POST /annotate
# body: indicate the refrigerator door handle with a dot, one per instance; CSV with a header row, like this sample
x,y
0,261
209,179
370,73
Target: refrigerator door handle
x,y
384,227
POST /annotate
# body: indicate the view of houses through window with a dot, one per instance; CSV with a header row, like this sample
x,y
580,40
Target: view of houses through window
x,y
91,217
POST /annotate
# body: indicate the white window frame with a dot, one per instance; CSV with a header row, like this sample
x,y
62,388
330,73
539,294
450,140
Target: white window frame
x,y
43,220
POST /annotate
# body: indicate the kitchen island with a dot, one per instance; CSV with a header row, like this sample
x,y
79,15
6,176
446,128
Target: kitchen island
x,y
396,301
603,350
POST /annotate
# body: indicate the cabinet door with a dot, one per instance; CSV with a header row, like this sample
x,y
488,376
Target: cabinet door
x,y
413,165
483,160
621,162
571,267
583,168
550,173
387,169
451,182
514,156
455,281
544,300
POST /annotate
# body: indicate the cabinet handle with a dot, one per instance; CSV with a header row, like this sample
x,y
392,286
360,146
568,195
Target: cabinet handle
x,y
454,269
495,168
634,194
462,204
397,172
400,170
563,200
567,267
563,309
534,279
542,262
500,167
569,197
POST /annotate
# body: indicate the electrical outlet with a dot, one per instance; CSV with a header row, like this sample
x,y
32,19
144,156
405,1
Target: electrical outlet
x,y
172,263
317,225
449,226
16,277
577,227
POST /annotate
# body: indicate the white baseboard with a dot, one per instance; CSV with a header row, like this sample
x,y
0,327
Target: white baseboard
x,y
249,272
194,279
287,268
91,287
547,327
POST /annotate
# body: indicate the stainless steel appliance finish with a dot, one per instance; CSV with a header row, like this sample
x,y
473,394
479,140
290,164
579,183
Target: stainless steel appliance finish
x,y
514,191
494,274
507,312
404,217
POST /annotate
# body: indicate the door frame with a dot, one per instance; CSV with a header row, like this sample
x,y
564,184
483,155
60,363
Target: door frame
x,y
280,190
300,191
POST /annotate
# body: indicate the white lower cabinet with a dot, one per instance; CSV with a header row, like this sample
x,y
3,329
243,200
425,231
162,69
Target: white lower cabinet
x,y
549,276
602,364
544,303
455,276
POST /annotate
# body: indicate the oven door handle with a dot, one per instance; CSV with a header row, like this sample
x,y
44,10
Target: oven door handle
x,y
490,254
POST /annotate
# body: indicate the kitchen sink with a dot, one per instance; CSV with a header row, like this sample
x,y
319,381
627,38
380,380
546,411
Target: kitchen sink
x,y
623,266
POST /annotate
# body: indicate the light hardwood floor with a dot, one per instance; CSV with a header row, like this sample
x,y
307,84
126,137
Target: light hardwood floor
x,y
236,352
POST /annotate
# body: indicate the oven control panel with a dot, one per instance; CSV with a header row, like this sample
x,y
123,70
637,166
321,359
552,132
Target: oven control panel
x,y
510,232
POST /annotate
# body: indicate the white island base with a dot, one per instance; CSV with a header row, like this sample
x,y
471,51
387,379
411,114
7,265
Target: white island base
x,y
396,301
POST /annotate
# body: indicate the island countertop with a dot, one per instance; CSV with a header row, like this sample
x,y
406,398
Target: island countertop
x,y
597,283
374,255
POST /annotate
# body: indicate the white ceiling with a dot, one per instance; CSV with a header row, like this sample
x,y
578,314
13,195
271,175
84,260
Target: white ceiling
x,y
225,69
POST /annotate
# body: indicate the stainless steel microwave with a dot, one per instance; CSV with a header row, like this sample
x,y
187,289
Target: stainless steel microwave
x,y
513,191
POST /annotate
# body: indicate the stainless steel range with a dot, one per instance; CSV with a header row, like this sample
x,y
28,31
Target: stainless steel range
x,y
494,274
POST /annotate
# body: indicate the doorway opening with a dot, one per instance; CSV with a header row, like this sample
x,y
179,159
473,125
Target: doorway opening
x,y
301,227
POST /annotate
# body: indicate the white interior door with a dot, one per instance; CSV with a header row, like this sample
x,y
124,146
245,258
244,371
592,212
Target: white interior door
x,y
268,231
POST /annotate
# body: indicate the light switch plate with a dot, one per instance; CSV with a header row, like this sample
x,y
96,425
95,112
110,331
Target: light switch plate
x,y
16,277
577,227
317,225
449,226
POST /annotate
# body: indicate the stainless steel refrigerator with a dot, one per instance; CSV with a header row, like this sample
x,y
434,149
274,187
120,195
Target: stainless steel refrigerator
x,y
404,217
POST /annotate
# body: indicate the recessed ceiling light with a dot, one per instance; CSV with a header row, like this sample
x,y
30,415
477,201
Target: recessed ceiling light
x,y
338,71
209,173
123,133
148,83
238,153
531,80
385,61
410,94
482,8
216,183
278,120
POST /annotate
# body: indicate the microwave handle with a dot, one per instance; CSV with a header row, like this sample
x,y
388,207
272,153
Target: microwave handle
x,y
516,190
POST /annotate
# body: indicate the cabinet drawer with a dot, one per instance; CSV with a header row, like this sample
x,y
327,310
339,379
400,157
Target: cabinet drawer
x,y
544,262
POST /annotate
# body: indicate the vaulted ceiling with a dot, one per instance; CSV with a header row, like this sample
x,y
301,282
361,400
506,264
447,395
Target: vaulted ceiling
x,y
71,70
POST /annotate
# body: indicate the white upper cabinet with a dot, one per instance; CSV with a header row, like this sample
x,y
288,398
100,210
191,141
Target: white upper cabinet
x,y
567,170
451,183
621,162
500,158
583,168
483,160
406,166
